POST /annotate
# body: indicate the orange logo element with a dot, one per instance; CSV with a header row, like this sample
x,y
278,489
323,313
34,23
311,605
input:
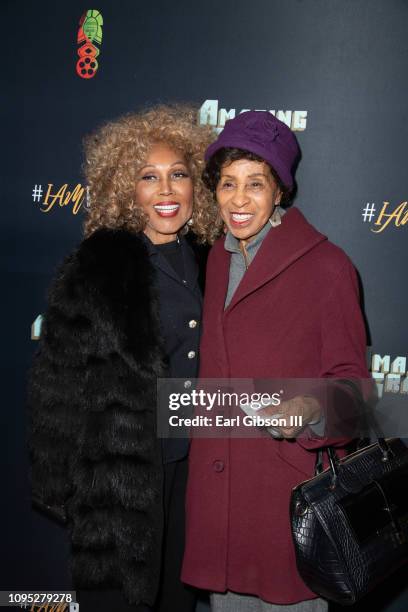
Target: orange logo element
x,y
89,33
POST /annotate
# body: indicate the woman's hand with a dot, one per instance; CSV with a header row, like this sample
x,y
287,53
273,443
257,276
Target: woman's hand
x,y
304,406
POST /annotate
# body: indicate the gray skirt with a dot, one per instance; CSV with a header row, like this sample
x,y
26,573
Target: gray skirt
x,y
233,602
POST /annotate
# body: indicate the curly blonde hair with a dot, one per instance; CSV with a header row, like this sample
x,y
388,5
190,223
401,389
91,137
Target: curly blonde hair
x,y
116,151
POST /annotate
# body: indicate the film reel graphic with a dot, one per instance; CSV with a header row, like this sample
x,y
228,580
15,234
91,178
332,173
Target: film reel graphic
x,y
90,32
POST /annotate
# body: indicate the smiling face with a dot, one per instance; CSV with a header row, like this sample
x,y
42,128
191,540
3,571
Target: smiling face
x,y
164,190
246,193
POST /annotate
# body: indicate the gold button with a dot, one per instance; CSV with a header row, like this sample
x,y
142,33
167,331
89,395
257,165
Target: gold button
x,y
192,323
191,354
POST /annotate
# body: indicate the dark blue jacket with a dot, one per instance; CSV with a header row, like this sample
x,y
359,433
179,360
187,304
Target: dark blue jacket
x,y
180,306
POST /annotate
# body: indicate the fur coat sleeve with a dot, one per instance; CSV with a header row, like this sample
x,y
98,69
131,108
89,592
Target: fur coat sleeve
x,y
94,452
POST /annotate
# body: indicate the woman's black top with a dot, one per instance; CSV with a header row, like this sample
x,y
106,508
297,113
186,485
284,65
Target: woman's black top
x,y
173,253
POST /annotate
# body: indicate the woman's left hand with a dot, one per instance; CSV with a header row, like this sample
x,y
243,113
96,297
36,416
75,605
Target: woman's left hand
x,y
304,406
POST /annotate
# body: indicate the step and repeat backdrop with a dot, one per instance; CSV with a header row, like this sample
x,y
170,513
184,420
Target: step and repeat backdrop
x,y
335,71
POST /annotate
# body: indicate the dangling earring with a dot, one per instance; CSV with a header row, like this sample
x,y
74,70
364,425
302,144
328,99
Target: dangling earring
x,y
186,226
190,222
276,218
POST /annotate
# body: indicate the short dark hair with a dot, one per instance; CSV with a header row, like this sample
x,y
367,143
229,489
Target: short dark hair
x,y
227,155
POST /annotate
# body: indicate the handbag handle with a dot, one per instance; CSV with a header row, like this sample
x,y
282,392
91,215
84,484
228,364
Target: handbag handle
x,y
334,461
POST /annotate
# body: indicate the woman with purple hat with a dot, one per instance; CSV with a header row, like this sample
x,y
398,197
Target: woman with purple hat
x,y
281,302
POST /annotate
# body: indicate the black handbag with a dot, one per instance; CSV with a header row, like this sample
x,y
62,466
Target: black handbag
x,y
350,522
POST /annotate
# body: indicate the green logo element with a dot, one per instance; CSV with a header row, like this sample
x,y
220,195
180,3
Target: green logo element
x,y
92,26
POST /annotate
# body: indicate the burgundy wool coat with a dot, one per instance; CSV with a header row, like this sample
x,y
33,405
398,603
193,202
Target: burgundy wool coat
x,y
296,313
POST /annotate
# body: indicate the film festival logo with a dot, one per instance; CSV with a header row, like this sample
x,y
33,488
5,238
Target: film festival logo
x,y
89,33
75,197
386,217
391,376
211,114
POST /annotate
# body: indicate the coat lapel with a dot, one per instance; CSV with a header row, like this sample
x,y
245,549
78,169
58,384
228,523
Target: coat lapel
x,y
282,246
191,269
189,261
158,260
219,289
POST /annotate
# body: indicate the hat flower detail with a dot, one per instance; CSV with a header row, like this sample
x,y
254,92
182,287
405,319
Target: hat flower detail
x,y
263,130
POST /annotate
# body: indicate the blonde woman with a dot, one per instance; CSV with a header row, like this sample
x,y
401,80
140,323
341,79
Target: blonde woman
x,y
124,309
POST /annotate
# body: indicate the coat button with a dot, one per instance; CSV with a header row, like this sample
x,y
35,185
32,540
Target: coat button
x,y
192,323
187,384
218,466
191,354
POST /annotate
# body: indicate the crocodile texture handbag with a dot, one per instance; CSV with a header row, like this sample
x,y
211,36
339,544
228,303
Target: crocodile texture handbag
x,y
350,522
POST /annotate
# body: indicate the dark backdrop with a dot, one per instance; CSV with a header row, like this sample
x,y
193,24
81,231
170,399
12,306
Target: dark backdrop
x,y
343,62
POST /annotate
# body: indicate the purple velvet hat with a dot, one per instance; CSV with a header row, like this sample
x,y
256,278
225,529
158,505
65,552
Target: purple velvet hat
x,y
261,133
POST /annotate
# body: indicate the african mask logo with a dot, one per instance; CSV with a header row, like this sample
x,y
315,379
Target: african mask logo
x,y
90,32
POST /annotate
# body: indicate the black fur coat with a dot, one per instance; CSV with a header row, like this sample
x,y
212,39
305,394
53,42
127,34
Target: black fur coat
x,y
95,457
